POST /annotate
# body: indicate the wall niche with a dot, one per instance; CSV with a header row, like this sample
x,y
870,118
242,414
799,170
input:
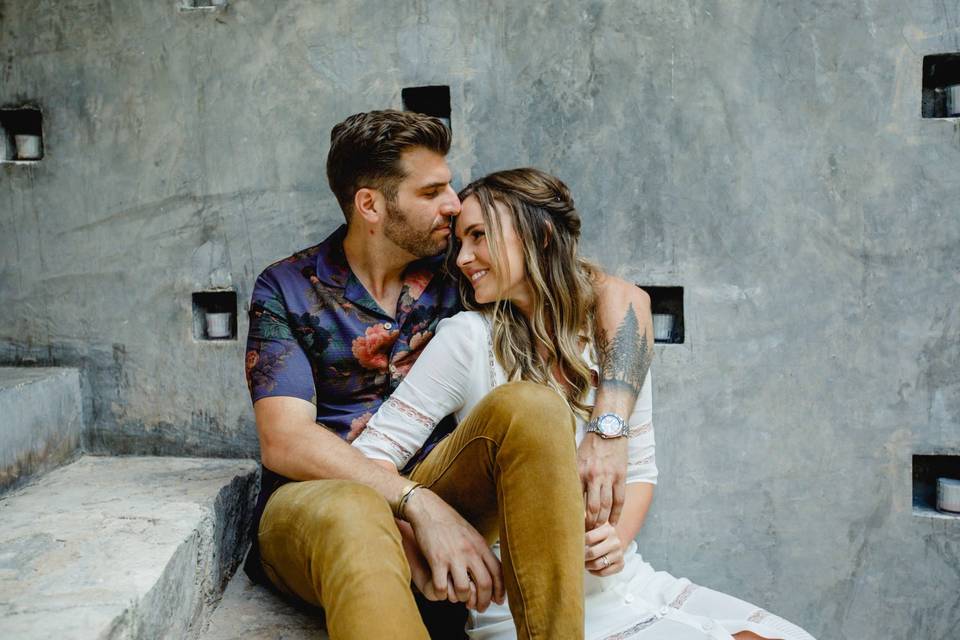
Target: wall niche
x,y
21,134
941,86
666,305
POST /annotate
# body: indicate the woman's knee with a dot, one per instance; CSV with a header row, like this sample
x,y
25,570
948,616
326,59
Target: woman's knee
x,y
531,400
531,412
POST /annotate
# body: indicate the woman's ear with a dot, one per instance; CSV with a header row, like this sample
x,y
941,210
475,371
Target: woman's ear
x,y
547,234
368,204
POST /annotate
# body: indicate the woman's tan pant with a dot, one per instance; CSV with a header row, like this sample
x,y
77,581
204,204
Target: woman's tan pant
x,y
510,469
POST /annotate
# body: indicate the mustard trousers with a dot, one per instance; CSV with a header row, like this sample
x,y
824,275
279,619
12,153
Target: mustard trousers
x,y
509,469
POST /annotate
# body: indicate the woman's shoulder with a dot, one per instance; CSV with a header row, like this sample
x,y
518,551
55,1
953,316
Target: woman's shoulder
x,y
466,321
466,330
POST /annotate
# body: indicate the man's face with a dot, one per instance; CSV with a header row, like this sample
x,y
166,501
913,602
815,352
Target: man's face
x,y
419,220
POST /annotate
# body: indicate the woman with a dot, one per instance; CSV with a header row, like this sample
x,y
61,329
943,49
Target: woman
x,y
529,299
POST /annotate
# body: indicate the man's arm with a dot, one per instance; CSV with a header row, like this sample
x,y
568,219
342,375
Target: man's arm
x,y
623,338
293,445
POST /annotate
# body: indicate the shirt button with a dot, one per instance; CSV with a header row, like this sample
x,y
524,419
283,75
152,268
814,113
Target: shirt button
x,y
628,598
707,626
664,611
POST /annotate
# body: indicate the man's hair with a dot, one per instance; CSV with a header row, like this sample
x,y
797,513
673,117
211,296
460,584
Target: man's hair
x,y
365,151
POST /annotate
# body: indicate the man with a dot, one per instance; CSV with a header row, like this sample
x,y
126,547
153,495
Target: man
x,y
333,329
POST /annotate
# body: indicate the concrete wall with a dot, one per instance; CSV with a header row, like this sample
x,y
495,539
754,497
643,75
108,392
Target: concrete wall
x,y
767,156
41,421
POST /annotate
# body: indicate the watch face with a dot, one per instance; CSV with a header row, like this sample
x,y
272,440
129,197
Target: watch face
x,y
609,425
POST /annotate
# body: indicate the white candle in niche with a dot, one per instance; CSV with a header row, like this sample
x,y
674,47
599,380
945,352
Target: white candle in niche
x,y
663,326
218,324
28,146
948,495
953,100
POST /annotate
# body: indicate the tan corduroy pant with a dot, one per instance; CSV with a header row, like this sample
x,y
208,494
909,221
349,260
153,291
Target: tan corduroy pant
x,y
509,469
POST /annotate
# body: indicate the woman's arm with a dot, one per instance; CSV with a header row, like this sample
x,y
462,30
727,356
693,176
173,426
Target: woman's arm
x,y
434,388
635,508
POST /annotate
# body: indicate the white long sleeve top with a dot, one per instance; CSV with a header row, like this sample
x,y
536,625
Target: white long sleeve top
x,y
454,372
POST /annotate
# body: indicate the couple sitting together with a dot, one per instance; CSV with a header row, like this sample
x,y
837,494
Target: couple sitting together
x,y
454,407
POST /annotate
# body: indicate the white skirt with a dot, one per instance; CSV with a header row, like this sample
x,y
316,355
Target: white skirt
x,y
642,603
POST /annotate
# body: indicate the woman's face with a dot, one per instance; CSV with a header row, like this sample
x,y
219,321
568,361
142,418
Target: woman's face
x,y
474,260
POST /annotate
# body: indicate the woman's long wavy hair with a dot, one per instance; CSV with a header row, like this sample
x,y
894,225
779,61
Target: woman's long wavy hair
x,y
548,226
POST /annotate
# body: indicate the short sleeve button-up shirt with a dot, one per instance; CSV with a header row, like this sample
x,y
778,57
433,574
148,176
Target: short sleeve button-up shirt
x,y
317,334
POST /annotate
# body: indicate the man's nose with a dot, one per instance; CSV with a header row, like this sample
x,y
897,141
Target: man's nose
x,y
451,204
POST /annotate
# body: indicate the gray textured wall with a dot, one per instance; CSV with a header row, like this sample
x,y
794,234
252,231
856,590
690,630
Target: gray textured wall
x,y
768,156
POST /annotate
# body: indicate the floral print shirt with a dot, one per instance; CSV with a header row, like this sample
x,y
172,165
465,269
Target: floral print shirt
x,y
317,334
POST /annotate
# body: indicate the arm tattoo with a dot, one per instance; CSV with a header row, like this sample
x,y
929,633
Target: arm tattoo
x,y
625,359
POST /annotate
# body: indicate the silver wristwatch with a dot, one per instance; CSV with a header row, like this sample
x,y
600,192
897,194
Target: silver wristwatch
x,y
608,425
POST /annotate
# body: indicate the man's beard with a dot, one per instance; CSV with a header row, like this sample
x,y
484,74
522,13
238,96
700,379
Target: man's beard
x,y
398,230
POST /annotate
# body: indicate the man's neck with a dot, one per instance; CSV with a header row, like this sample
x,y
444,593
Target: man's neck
x,y
377,263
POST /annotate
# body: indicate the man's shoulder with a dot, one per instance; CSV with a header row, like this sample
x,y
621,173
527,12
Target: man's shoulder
x,y
294,263
308,255
324,261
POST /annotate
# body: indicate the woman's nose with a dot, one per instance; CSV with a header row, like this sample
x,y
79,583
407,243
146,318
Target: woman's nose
x,y
464,257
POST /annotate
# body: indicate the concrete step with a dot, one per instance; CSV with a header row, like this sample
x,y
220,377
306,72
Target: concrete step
x,y
42,414
252,612
121,547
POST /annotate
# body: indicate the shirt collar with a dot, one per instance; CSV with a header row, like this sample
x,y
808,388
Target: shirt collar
x,y
331,266
333,269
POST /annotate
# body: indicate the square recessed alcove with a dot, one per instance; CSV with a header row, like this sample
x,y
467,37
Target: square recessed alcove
x,y
927,468
208,5
941,86
666,304
215,315
21,134
431,100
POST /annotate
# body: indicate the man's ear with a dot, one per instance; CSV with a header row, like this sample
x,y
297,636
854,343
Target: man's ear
x,y
369,204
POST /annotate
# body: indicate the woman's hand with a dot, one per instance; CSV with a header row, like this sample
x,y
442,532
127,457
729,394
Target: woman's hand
x,y
604,553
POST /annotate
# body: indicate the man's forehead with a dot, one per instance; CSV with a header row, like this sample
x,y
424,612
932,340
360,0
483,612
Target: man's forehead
x,y
424,166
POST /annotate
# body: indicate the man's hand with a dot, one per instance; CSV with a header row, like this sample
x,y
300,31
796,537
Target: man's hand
x,y
603,472
604,552
462,566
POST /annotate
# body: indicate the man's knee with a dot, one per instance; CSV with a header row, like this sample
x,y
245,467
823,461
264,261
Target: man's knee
x,y
333,509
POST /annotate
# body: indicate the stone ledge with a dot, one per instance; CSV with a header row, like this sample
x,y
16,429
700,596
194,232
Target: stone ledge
x,y
121,547
42,414
252,612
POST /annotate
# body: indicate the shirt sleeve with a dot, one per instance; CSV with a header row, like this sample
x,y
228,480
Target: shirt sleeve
x,y
641,448
276,364
435,387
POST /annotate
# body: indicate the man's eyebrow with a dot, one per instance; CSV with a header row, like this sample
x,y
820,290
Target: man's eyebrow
x,y
433,185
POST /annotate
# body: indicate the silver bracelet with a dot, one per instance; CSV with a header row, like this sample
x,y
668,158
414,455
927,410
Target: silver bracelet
x,y
404,498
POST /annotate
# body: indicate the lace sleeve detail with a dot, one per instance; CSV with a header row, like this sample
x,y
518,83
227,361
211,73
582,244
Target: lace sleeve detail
x,y
651,459
389,443
419,418
635,430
